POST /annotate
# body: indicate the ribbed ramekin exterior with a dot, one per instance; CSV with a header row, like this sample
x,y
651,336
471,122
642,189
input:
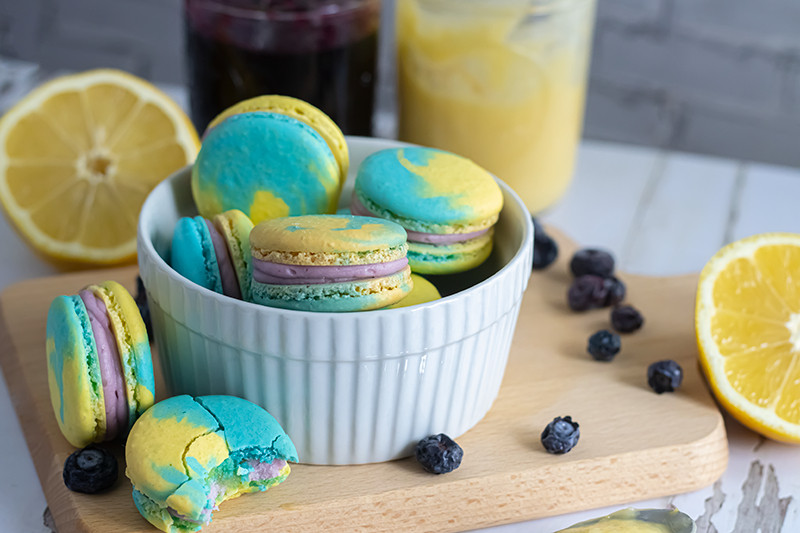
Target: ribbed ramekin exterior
x,y
348,388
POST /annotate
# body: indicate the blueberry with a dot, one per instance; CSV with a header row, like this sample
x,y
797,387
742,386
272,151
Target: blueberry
x,y
592,261
616,291
586,292
144,308
664,376
560,435
545,249
90,470
439,454
626,318
604,345
593,292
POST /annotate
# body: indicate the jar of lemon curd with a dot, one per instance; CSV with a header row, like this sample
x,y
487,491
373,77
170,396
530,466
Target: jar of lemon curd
x,y
502,82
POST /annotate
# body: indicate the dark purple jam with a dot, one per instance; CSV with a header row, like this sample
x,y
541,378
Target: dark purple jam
x,y
321,51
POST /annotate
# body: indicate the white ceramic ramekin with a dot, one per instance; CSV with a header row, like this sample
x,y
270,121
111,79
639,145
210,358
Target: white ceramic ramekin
x,y
348,388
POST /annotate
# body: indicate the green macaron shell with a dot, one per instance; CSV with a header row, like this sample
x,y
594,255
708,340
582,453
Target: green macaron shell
x,y
73,372
266,165
447,259
332,297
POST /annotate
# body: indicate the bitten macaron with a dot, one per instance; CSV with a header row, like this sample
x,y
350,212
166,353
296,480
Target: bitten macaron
x,y
302,111
329,263
186,455
266,165
99,367
447,204
215,253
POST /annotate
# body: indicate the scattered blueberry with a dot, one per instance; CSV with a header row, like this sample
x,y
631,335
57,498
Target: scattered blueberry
x,y
144,309
593,292
664,376
439,454
90,470
592,261
616,291
545,249
560,435
604,345
586,292
626,318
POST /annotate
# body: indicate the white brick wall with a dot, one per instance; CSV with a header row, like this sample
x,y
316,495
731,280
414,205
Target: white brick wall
x,y
715,76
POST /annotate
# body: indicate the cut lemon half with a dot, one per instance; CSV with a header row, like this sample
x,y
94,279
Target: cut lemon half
x,y
747,322
78,156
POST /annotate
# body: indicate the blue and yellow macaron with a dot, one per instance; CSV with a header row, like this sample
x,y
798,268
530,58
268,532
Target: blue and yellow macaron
x,y
300,110
266,165
187,455
329,263
99,368
446,203
215,253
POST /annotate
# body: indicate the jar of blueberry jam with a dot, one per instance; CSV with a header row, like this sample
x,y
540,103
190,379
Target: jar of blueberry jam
x,y
321,51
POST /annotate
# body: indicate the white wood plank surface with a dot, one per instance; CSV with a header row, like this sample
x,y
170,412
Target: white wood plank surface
x,y
768,201
683,221
607,188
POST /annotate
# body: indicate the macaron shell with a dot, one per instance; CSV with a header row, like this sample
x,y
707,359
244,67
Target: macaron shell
x,y
327,234
249,426
193,254
302,111
235,228
423,292
158,442
175,445
336,297
73,372
429,190
267,165
133,345
449,259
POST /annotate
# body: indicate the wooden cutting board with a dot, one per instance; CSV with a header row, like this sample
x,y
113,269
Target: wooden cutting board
x,y
634,444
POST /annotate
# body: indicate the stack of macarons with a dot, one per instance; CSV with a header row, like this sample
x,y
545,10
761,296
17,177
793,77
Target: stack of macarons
x,y
186,455
447,204
215,253
329,263
99,367
270,157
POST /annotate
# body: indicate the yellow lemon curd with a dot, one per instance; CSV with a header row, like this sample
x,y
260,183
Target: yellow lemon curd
x,y
498,83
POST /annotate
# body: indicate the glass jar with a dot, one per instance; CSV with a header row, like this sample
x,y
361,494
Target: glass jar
x,y
321,51
502,82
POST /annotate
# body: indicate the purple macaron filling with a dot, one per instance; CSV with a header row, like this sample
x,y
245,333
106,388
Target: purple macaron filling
x,y
114,395
357,208
260,471
230,285
282,274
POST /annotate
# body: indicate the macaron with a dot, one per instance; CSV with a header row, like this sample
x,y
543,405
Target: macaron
x,y
329,263
186,455
302,111
215,253
423,292
99,367
447,204
266,165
